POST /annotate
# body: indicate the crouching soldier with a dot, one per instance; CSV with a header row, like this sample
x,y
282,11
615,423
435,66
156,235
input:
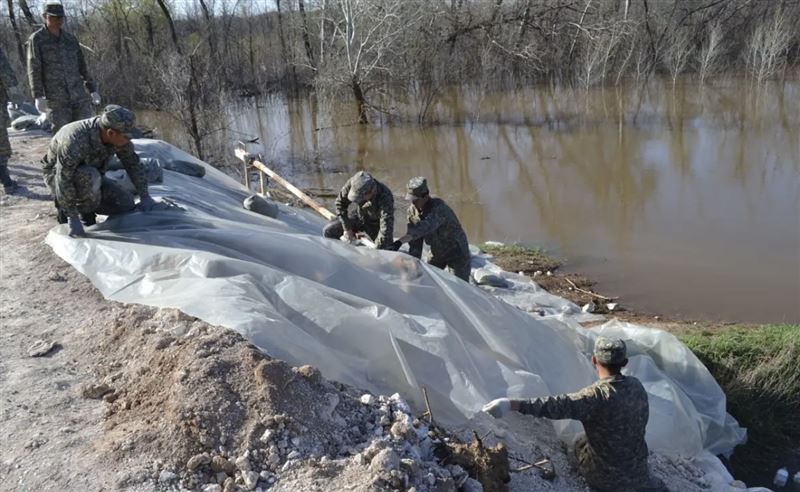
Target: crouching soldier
x,y
373,213
432,221
612,455
75,164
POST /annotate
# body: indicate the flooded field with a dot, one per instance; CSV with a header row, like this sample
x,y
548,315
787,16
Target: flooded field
x,y
684,201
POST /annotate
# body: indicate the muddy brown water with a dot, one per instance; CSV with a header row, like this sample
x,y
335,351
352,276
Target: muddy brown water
x,y
684,202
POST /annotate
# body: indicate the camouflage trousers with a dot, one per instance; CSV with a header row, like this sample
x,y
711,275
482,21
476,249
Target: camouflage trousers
x,y
461,267
612,480
5,145
67,112
97,193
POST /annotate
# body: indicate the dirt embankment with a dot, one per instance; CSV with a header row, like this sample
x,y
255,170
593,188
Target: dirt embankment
x,y
97,395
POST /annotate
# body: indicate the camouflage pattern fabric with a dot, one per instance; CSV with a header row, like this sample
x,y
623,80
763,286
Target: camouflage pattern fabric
x,y
614,411
57,70
438,226
72,111
375,217
78,145
96,193
7,81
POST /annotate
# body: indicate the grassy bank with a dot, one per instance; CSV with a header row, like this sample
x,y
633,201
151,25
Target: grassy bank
x,y
758,369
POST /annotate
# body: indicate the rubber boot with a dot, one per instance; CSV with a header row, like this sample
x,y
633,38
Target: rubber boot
x,y
61,216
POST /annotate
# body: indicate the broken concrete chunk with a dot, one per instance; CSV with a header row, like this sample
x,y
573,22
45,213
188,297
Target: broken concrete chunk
x,y
96,391
40,348
259,205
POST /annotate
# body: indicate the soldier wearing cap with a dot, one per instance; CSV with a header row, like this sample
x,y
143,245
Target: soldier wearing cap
x,y
612,455
432,221
76,161
7,81
373,213
57,71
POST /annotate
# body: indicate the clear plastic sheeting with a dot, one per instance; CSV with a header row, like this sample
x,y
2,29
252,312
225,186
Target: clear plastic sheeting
x,y
379,320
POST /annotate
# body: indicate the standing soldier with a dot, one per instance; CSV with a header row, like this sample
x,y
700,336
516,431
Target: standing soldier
x,y
612,455
57,71
7,81
373,215
432,221
76,160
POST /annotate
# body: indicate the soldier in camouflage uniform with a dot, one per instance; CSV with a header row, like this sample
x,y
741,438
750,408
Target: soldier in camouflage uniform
x,y
7,81
612,455
57,71
373,214
76,160
432,221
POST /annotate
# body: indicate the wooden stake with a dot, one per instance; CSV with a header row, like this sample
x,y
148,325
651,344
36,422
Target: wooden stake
x,y
427,405
570,282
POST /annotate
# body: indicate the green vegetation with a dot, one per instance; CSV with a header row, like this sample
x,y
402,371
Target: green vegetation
x,y
758,370
516,258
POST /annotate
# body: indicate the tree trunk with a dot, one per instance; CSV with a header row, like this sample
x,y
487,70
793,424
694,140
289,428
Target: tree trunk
x,y
14,26
26,11
301,5
360,101
212,48
171,25
284,52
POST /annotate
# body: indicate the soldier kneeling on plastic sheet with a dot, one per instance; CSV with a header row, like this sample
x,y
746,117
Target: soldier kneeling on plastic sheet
x,y
373,213
77,160
612,455
432,221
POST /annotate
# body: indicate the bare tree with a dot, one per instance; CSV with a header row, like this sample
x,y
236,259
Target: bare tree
x,y
709,53
677,52
768,46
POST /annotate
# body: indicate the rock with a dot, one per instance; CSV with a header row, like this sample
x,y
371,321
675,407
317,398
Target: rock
x,y
309,372
242,463
197,461
400,403
96,391
402,430
411,467
56,277
250,479
259,205
483,276
386,460
588,307
332,401
445,485
267,435
212,487
612,306
549,273
471,485
220,464
229,485
293,455
184,167
166,476
367,399
40,348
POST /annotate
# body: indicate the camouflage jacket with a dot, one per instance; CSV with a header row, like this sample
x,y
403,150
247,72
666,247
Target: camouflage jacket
x,y
438,226
7,78
57,69
614,413
78,143
379,210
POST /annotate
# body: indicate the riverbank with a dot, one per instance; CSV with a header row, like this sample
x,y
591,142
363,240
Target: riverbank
x,y
755,364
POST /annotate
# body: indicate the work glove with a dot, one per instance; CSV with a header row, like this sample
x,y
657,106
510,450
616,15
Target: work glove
x,y
75,226
41,105
395,246
96,98
146,203
498,408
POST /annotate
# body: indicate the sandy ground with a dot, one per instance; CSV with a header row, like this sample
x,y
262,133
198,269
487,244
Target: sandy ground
x,y
136,398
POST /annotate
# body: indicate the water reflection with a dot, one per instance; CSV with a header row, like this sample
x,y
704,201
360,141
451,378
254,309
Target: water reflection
x,y
682,201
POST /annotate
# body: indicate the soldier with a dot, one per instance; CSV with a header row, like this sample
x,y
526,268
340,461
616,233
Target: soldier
x,y
7,81
76,160
612,455
432,221
57,71
374,213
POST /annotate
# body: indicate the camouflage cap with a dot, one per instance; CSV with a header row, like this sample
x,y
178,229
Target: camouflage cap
x,y
417,188
610,351
55,9
360,185
120,119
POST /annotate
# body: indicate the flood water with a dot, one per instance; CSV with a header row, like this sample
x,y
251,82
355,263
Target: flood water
x,y
683,202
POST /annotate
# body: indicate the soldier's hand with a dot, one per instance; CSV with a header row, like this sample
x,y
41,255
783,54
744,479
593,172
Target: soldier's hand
x,y
395,246
75,226
498,408
146,203
41,105
96,98
349,235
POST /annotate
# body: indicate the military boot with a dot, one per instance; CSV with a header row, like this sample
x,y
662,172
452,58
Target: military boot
x,y
89,219
61,216
9,185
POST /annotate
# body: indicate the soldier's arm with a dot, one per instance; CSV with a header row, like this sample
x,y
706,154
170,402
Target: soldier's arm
x,y
88,82
426,226
130,161
386,231
341,206
35,69
415,245
577,406
6,72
